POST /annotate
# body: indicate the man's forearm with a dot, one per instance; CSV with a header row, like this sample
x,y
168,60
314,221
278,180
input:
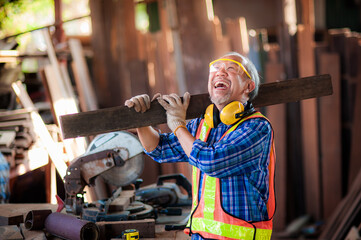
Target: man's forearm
x,y
186,140
149,138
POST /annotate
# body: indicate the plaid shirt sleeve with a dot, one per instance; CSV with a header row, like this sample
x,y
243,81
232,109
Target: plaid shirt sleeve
x,y
169,148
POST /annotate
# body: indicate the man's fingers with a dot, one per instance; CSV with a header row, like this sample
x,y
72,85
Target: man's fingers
x,y
129,103
163,103
157,95
144,102
176,98
186,99
137,106
140,103
168,98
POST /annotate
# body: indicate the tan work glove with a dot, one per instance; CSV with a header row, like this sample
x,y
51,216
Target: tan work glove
x,y
176,109
141,103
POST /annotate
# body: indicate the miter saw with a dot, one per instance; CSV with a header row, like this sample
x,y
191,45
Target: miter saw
x,y
117,157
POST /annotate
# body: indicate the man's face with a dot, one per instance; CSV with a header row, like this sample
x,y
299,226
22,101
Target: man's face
x,y
225,84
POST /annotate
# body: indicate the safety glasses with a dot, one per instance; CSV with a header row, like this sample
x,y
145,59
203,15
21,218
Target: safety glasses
x,y
230,65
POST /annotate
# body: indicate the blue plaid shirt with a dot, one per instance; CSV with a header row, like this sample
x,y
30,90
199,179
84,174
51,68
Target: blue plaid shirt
x,y
240,160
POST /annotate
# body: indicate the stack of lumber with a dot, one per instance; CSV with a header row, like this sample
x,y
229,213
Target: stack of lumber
x,y
16,135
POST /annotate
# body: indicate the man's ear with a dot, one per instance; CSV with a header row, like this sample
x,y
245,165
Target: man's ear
x,y
251,86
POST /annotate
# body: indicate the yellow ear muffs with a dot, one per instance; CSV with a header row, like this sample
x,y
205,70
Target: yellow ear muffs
x,y
208,116
231,113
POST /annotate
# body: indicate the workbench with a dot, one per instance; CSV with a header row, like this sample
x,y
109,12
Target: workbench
x,y
12,226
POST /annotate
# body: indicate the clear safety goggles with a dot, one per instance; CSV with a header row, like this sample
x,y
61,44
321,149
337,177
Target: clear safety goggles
x,y
230,65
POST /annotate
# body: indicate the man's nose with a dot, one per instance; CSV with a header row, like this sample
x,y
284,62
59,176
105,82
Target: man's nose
x,y
222,70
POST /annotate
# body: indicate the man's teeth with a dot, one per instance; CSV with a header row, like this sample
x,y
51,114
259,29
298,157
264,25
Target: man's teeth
x,y
221,84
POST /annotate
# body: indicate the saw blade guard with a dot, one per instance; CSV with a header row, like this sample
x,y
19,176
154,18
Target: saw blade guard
x,y
129,149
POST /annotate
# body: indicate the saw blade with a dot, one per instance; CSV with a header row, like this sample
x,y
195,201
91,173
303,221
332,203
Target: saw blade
x,y
126,174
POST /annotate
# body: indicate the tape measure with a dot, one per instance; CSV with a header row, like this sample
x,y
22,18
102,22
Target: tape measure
x,y
130,234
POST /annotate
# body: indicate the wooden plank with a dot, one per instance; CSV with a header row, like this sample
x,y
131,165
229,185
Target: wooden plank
x,y
194,19
120,118
41,130
13,112
109,230
62,95
355,154
342,212
6,138
84,86
330,141
14,213
10,220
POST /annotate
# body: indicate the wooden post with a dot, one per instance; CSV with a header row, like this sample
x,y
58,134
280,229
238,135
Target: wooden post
x,y
114,41
287,39
277,115
196,37
238,35
355,163
330,136
306,67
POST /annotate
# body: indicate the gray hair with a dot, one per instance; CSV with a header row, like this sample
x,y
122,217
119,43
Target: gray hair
x,y
251,68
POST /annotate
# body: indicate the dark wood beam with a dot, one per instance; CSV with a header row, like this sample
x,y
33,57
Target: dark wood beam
x,y
122,118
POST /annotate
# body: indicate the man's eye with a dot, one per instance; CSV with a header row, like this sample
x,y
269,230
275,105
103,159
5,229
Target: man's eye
x,y
232,69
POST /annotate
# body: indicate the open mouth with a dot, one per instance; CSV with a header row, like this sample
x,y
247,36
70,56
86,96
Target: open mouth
x,y
221,85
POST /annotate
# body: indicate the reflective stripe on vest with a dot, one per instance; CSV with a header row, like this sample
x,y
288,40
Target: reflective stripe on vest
x,y
208,218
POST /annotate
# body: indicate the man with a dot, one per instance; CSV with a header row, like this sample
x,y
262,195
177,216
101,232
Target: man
x,y
230,149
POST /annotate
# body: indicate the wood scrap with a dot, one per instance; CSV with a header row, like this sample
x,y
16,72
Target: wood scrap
x,y
11,232
7,138
345,214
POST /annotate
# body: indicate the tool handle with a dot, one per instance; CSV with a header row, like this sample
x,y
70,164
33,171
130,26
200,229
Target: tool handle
x,y
181,180
175,227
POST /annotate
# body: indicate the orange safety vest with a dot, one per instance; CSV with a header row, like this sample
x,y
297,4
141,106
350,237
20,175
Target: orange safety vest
x,y
208,217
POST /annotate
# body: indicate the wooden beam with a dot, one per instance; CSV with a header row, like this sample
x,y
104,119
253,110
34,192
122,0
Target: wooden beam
x,y
121,118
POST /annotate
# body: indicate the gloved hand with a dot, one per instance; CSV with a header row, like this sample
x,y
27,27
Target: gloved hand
x,y
141,103
176,109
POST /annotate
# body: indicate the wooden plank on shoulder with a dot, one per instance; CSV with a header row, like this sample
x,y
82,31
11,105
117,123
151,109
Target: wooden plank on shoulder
x,y
121,118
